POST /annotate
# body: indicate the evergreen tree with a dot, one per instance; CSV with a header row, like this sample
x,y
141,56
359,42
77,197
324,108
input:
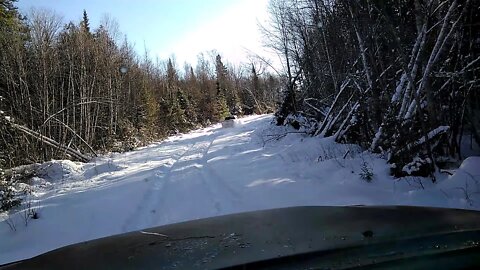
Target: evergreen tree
x,y
187,108
221,72
225,90
172,78
251,106
176,115
8,14
85,23
221,107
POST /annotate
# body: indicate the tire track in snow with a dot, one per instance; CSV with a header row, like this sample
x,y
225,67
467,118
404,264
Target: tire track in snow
x,y
211,192
159,186
206,184
218,186
163,206
160,202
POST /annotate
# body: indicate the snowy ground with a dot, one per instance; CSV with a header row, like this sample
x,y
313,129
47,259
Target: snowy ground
x,y
209,172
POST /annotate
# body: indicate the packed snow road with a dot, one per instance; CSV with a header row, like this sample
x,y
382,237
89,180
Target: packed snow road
x,y
209,172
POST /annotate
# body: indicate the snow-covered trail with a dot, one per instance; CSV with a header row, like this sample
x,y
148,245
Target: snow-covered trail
x,y
186,177
168,196
209,172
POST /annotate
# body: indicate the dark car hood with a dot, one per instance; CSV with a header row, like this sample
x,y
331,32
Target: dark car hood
x,y
298,237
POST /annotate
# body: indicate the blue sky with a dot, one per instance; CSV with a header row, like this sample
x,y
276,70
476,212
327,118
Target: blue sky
x,y
181,27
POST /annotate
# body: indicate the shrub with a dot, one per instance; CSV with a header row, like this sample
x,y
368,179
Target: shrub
x,y
8,200
366,172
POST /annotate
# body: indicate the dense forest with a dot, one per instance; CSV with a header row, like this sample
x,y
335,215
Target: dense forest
x,y
70,91
400,78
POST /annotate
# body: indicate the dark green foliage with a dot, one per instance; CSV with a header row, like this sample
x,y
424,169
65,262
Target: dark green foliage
x,y
8,15
188,110
85,24
8,198
221,107
250,105
366,172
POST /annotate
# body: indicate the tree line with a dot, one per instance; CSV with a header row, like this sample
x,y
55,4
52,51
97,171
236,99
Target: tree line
x,y
69,91
400,78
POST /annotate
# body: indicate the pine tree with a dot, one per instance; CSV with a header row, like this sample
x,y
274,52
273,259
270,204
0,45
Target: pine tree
x,y
8,13
225,91
176,115
172,78
85,23
221,72
221,107
250,103
188,110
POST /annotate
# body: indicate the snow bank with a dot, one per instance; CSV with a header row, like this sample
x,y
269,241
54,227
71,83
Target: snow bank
x,y
471,165
215,171
463,187
59,169
100,168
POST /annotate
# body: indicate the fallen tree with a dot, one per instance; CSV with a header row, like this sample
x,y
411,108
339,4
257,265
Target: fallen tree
x,y
48,141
